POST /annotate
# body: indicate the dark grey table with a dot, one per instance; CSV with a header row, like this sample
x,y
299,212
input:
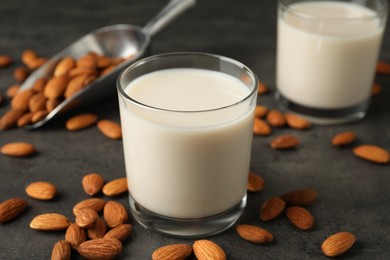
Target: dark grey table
x,y
353,194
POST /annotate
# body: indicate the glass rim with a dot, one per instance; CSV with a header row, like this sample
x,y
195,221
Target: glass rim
x,y
378,13
121,91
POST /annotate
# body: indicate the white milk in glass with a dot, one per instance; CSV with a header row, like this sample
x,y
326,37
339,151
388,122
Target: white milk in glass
x,y
327,62
187,164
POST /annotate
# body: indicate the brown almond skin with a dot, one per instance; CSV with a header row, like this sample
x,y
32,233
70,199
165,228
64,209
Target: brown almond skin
x,y
300,197
64,66
207,249
39,85
300,217
41,190
18,149
285,142
261,88
372,153
39,115
21,100
75,235
37,102
28,55
10,118
297,122
344,138
255,182
261,111
172,252
275,118
254,234
5,61
87,61
100,248
86,217
20,74
51,104
82,71
78,83
120,232
338,244
11,208
260,127
12,90
115,187
383,68
36,63
25,119
96,204
92,183
61,251
50,222
271,209
103,62
98,230
115,214
110,129
56,86
80,122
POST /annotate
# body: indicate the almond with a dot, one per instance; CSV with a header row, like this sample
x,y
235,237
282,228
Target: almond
x,y
18,149
51,104
376,89
41,190
64,66
36,63
254,234
100,248
39,85
95,203
82,71
172,252
120,232
75,235
108,70
50,222
25,119
56,87
12,90
5,61
261,111
297,122
260,127
80,122
300,217
114,214
110,129
271,209
103,62
344,138
338,244
383,67
86,217
28,56
98,230
255,182
21,100
10,119
38,116
61,251
276,119
372,153
87,61
11,208
20,74
37,102
301,197
261,88
285,142
92,183
207,250
115,187
78,83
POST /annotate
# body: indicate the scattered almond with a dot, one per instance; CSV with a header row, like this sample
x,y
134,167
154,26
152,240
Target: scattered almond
x,y
271,209
18,149
61,251
172,252
115,187
261,111
41,190
297,122
92,183
36,63
285,142
254,234
262,88
260,127
338,244
96,204
86,217
100,248
98,230
372,153
255,182
75,235
115,214
300,217
11,208
383,67
28,56
20,74
120,232
207,250
10,119
110,129
344,138
80,122
300,197
12,90
275,118
50,222
5,61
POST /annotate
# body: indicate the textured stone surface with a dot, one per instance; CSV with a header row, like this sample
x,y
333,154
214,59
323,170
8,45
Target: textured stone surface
x,y
353,195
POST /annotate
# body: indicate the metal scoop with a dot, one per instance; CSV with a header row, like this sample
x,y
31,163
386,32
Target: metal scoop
x,y
119,40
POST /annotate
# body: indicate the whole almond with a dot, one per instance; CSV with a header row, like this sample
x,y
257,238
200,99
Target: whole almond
x,y
11,208
36,63
255,182
80,122
39,115
344,138
110,129
75,235
271,209
50,222
300,217
285,142
260,127
115,214
383,67
10,119
103,62
261,111
207,250
41,190
338,244
108,70
12,90
28,55
37,102
5,61
172,252
96,204
372,153
98,230
18,149
21,100
300,197
276,119
56,86
82,71
87,61
92,183
51,104
297,122
20,74
64,66
115,187
254,234
78,83
100,248
39,85
261,88
86,217
120,232
61,251
25,119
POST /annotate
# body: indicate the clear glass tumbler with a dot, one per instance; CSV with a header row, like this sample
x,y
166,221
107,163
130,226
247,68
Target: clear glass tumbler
x,y
187,168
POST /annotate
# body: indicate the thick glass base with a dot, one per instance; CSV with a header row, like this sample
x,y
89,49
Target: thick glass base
x,y
186,228
324,116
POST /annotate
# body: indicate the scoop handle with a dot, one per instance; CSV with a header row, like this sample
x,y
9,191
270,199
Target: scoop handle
x,y
173,9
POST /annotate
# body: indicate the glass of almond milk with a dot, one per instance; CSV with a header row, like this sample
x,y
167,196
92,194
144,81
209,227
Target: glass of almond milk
x,y
326,57
187,121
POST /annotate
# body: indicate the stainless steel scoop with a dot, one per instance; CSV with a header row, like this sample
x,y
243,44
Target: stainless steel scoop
x,y
119,40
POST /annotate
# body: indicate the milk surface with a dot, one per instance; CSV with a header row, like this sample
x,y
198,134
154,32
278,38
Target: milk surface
x,y
187,164
326,62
